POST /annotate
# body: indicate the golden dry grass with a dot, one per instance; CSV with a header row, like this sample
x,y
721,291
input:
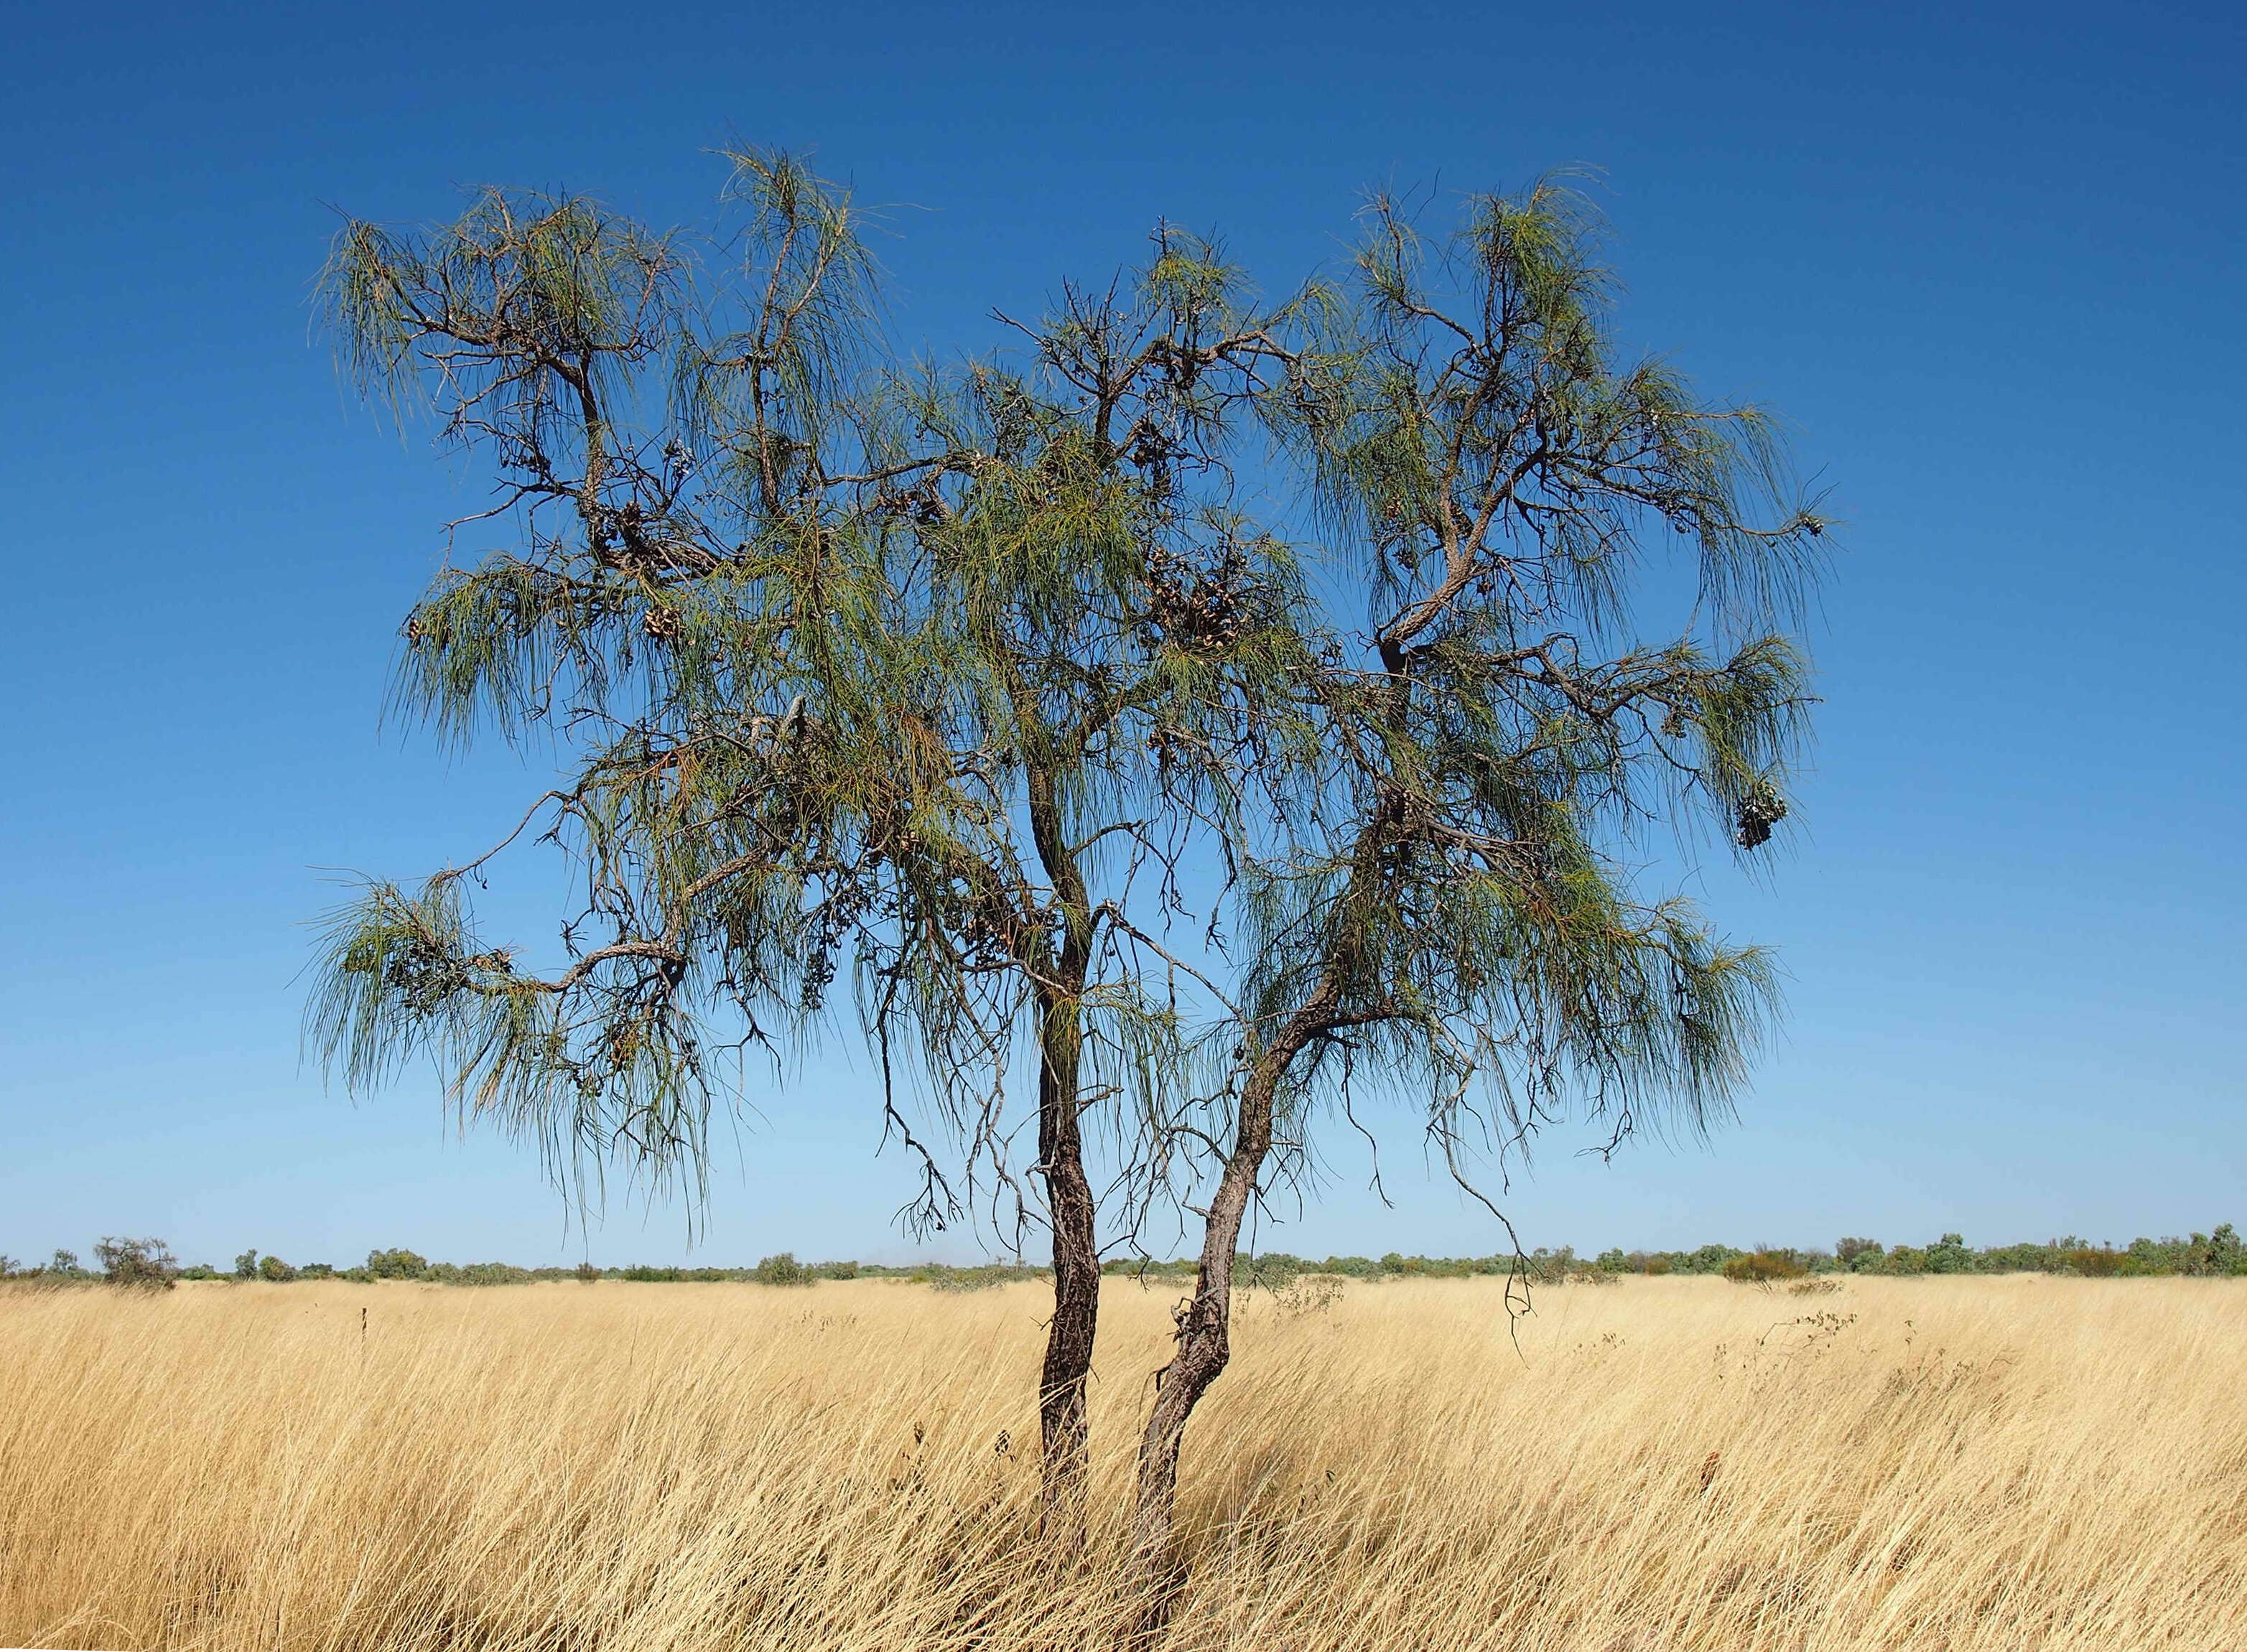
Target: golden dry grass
x,y
1956,1464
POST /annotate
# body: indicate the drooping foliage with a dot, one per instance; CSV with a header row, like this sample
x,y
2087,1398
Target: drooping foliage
x,y
1509,714
1200,712
850,659
1443,899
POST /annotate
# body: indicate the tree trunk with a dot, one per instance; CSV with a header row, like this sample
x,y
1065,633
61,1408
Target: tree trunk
x,y
1203,1337
1063,1434
1205,1329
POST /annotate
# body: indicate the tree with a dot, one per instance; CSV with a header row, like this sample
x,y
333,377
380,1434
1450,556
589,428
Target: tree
x,y
1450,900
139,1264
397,1264
931,677
985,687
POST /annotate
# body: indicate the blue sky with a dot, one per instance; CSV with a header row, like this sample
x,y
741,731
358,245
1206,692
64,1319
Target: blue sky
x,y
1987,260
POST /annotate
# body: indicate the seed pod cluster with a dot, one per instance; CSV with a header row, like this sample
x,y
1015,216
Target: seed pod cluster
x,y
1761,810
424,975
1203,611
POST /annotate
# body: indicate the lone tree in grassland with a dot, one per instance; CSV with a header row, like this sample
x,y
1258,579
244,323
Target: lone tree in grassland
x,y
983,686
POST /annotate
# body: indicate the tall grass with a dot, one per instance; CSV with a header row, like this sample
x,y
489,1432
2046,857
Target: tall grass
x,y
1957,1464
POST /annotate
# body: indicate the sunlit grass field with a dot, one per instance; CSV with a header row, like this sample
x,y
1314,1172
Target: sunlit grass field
x,y
1961,1464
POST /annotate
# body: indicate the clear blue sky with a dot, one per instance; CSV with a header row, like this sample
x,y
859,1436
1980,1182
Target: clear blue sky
x,y
1987,260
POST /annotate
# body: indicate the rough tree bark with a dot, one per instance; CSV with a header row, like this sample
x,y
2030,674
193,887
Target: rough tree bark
x,y
1064,1432
1204,1325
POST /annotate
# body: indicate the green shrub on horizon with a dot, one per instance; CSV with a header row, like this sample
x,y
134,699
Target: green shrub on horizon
x,y
784,1269
397,1265
137,1264
1762,1268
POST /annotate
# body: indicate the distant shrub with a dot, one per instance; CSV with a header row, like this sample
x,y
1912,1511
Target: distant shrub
x,y
837,1270
587,1274
1949,1255
1761,1267
1657,1265
245,1266
276,1271
317,1271
1710,1258
784,1269
476,1274
397,1265
1550,1267
137,1264
1309,1293
2018,1258
2102,1263
1274,1272
971,1279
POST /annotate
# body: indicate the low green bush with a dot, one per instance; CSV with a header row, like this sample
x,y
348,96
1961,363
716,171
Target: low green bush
x,y
1762,1268
784,1269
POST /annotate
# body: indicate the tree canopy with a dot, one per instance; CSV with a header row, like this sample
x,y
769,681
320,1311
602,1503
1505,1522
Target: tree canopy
x,y
1196,712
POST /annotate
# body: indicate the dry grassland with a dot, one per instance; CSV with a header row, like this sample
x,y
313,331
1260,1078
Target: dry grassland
x,y
1956,1464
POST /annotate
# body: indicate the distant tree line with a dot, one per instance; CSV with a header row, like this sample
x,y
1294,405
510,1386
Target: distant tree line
x,y
148,1263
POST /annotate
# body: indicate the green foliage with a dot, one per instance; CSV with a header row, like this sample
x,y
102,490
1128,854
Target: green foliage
x,y
477,1274
2215,1254
971,1279
273,1270
784,1269
397,1265
137,1264
1949,1255
1274,1271
938,679
245,1266
1849,1253
1761,1267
